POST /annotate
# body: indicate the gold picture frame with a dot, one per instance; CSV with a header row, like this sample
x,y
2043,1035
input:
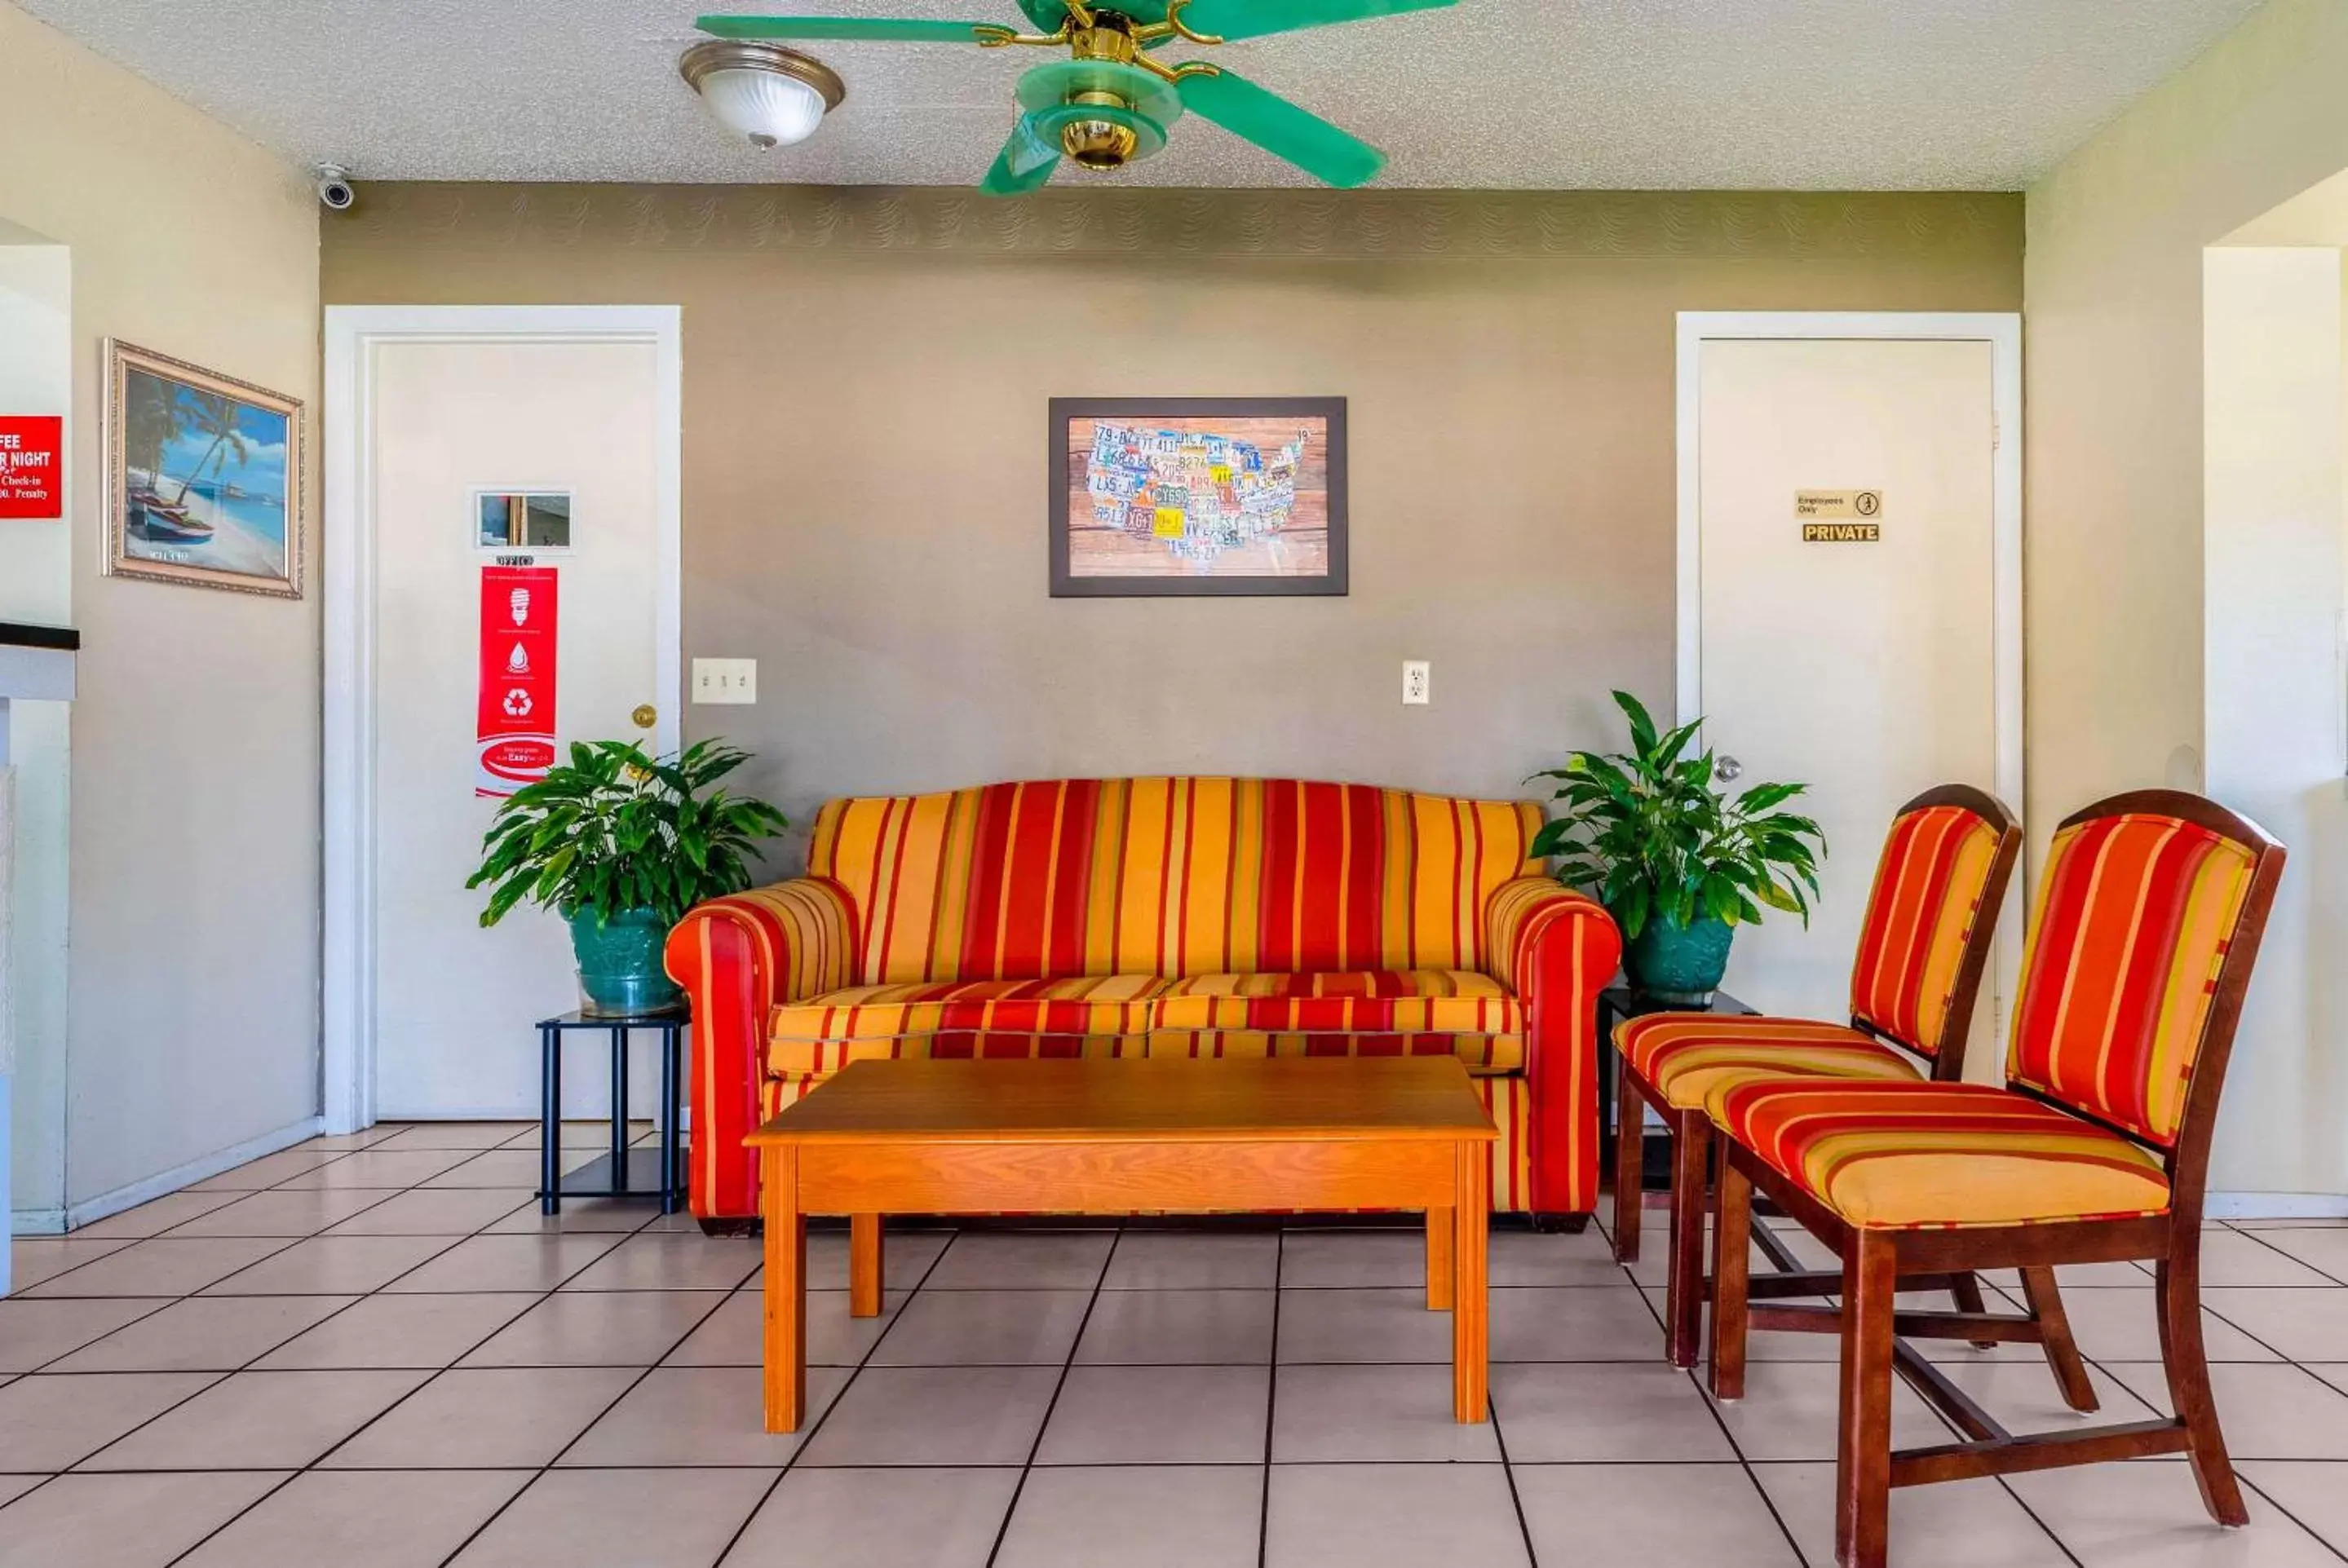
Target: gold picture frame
x,y
204,476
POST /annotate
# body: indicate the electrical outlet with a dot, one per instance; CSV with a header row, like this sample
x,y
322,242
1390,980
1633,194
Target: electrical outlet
x,y
1414,683
726,680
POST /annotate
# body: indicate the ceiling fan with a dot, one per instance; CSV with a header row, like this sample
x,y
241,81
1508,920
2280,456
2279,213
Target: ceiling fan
x,y
1111,102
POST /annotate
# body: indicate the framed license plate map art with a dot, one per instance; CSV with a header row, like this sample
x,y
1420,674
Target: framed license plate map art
x,y
1172,496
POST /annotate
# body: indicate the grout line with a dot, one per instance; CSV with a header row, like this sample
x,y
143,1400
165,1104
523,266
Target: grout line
x,y
1271,1403
807,1438
2005,1485
1508,1473
434,1375
1003,1531
2313,1534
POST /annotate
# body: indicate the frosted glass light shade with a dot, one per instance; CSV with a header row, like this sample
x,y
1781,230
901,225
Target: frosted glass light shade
x,y
772,95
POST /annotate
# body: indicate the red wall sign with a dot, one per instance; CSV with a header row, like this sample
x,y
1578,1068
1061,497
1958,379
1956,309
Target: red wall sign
x,y
32,466
516,726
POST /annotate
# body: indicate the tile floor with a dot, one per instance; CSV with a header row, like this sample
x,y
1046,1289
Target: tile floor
x,y
372,1351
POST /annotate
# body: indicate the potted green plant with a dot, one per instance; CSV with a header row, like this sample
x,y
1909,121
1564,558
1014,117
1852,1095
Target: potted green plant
x,y
1679,864
620,845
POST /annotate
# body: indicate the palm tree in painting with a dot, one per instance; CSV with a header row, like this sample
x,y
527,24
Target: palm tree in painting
x,y
210,414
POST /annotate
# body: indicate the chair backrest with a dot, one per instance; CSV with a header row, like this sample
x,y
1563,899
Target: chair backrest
x,y
2149,918
1932,919
1169,877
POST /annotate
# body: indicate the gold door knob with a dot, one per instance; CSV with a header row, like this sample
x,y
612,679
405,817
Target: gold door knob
x,y
645,715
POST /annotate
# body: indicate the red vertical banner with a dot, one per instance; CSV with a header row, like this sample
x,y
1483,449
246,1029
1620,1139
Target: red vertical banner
x,y
516,728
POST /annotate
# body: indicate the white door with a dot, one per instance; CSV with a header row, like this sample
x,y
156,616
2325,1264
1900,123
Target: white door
x,y
1864,663
450,419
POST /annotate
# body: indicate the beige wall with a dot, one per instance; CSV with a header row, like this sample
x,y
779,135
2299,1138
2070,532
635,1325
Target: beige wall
x,y
192,993
865,380
2115,562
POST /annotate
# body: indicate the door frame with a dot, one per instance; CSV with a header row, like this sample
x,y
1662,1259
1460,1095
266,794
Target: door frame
x,y
353,332
2001,330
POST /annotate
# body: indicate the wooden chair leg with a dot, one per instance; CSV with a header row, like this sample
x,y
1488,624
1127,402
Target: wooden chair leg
x,y
1630,1165
2176,1282
1684,1295
1966,1291
2045,1301
1732,1249
1863,1445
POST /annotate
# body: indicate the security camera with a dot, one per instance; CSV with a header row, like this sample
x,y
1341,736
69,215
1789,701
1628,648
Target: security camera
x,y
335,192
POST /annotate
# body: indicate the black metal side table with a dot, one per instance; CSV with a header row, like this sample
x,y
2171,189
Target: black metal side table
x,y
1616,1005
624,1172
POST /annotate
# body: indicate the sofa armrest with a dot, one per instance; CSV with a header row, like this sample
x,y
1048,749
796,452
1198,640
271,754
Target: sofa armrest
x,y
736,957
1557,949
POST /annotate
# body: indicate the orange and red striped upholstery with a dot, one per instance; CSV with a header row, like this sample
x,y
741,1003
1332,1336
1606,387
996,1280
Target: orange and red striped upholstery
x,y
1405,1001
1205,915
1918,1155
734,957
1927,897
1169,877
2134,914
1089,1004
1683,1056
1481,1054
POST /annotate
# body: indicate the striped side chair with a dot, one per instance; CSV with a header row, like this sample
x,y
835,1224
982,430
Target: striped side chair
x,y
2148,922
1931,919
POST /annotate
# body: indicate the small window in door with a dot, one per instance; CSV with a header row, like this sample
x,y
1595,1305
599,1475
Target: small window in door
x,y
524,520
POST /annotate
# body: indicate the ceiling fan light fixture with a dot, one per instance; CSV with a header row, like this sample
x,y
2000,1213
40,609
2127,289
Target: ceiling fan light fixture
x,y
771,95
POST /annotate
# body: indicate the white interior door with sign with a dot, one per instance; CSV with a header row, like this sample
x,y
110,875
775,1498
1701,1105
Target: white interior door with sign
x,y
1849,596
509,488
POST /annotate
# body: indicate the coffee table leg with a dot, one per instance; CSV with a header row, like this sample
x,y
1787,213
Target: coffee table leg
x,y
864,1265
1474,1219
785,1315
1440,1223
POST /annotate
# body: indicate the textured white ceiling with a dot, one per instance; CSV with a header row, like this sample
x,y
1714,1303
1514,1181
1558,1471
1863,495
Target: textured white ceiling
x,y
1546,94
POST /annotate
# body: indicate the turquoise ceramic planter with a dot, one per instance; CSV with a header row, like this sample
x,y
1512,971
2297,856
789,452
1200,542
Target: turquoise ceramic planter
x,y
1679,963
620,964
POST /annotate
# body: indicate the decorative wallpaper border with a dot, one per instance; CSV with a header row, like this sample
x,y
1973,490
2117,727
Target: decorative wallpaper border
x,y
1365,224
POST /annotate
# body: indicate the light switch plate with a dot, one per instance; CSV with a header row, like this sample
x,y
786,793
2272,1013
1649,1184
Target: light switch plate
x,y
1415,676
726,680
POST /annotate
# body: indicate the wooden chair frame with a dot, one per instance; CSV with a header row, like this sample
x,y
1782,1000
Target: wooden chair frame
x,y
1877,1264
1690,1130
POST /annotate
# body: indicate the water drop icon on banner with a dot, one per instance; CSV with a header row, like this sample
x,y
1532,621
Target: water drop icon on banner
x,y
518,662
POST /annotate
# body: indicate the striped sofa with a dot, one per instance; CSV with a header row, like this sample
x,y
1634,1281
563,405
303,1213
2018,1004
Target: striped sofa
x,y
1184,917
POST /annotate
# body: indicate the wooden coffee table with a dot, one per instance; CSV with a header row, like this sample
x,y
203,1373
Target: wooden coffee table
x,y
1113,1137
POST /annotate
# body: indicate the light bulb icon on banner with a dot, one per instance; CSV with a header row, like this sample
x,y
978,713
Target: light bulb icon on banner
x,y
518,662
519,603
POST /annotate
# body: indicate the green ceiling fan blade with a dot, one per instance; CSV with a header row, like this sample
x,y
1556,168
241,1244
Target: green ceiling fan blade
x,y
1279,127
1255,18
1048,15
1025,164
888,28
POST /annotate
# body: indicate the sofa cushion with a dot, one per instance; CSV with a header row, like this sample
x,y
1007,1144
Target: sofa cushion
x,y
1348,1001
1483,1055
1095,1004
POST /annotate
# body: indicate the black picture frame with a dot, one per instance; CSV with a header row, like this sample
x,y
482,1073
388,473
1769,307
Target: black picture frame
x,y
1066,584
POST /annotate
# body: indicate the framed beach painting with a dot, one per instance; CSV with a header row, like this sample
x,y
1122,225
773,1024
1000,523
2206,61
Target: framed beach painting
x,y
203,476
1163,495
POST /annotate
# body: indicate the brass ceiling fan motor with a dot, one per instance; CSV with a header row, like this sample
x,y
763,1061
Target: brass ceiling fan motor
x,y
1108,104
1104,143
1099,143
